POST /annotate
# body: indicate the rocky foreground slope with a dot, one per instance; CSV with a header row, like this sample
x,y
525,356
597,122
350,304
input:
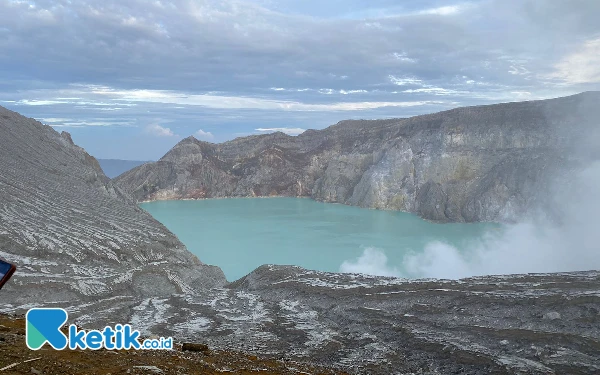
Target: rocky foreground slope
x,y
520,324
73,234
18,359
82,244
485,163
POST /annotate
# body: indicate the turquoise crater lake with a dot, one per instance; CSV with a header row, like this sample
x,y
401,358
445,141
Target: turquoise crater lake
x,y
241,234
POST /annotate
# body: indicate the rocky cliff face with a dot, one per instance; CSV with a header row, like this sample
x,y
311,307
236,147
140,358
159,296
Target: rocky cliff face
x,y
73,234
486,163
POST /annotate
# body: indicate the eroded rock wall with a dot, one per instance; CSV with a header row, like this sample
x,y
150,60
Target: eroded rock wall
x,y
485,163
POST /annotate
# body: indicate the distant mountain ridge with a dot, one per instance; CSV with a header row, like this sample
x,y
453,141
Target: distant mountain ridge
x,y
115,167
484,163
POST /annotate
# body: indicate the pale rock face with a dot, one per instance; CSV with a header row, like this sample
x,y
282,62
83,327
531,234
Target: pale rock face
x,y
389,183
486,163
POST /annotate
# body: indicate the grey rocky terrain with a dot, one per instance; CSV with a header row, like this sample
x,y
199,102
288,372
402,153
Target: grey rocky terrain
x,y
519,324
485,163
82,243
73,234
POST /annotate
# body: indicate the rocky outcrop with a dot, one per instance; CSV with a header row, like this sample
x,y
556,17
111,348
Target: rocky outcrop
x,y
73,234
485,163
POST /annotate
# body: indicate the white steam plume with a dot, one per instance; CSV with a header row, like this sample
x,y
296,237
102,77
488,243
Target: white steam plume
x,y
372,262
538,245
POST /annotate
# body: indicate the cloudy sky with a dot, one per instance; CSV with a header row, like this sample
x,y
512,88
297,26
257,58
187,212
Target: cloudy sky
x,y
130,78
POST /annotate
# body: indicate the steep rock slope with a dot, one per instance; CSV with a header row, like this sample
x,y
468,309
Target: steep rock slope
x,y
74,235
485,163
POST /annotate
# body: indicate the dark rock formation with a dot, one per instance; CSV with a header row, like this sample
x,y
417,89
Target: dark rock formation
x,y
73,234
485,163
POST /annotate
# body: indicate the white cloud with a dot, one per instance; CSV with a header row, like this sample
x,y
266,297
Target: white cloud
x,y
290,90
434,91
403,57
346,92
201,134
235,102
81,124
53,120
128,100
326,91
57,122
444,10
518,70
289,131
159,131
582,66
401,81
35,102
